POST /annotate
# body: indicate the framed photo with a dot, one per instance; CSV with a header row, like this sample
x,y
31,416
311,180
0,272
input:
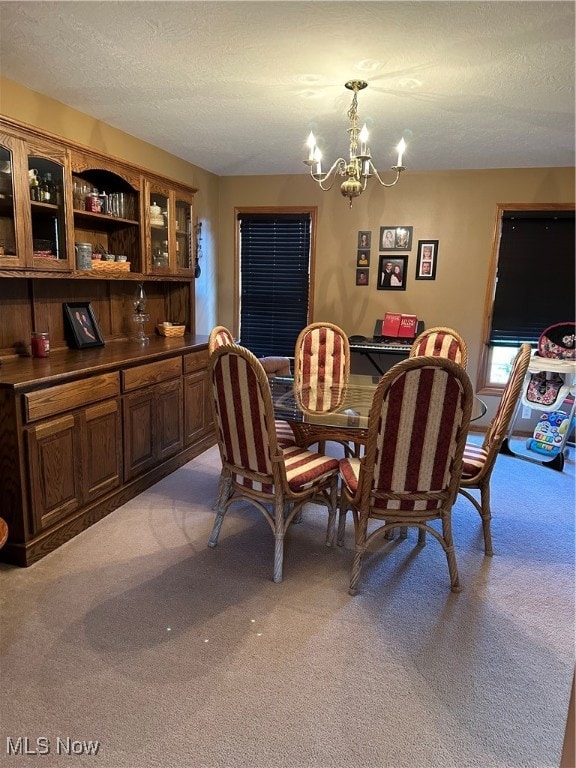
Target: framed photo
x,y
81,326
362,276
427,257
392,273
364,239
395,238
363,259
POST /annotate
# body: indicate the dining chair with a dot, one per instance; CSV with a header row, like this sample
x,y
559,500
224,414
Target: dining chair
x,y
321,366
410,472
479,460
256,469
441,342
322,370
221,335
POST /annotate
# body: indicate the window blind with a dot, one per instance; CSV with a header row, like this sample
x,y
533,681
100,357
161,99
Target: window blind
x,y
535,279
275,279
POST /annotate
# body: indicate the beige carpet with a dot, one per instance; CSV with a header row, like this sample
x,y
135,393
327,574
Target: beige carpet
x,y
136,635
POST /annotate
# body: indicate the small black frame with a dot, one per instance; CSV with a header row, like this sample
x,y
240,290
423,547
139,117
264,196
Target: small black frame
x,y
426,259
81,326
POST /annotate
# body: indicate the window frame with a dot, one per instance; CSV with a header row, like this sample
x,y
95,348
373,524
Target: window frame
x,y
312,211
484,385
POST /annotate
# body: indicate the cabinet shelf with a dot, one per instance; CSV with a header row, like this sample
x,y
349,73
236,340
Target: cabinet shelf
x,y
36,206
103,217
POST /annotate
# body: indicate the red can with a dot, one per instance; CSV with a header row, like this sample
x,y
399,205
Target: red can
x,y
40,345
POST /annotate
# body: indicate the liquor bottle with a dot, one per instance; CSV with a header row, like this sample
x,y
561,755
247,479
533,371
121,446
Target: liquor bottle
x,y
45,189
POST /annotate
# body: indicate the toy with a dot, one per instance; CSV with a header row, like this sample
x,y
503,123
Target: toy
x,y
549,433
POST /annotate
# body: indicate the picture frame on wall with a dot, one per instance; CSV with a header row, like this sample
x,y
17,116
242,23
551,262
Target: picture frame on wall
x,y
363,259
426,259
392,273
81,325
362,276
395,238
364,239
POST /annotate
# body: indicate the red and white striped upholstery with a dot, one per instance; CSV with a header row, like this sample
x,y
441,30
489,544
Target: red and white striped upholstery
x,y
321,367
257,469
411,470
441,342
479,461
219,336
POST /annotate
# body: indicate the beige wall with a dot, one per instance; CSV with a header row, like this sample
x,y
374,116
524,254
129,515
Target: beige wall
x,y
457,208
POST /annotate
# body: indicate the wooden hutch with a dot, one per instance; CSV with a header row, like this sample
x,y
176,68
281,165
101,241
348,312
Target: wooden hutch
x,y
82,431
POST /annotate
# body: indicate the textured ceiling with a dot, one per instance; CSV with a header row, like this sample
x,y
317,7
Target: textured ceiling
x,y
235,87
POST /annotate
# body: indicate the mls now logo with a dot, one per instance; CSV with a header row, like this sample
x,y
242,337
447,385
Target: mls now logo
x,y
23,745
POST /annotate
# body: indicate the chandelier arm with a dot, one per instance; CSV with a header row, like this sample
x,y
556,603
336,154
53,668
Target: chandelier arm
x,y
397,168
338,168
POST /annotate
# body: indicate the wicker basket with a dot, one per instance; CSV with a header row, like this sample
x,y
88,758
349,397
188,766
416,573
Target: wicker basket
x,y
171,330
112,268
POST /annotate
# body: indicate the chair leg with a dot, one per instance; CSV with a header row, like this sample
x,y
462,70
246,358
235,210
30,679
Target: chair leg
x,y
333,496
278,556
341,526
421,537
216,527
224,489
356,568
403,532
486,517
450,554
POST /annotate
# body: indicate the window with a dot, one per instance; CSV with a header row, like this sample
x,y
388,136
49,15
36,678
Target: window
x,y
532,282
274,269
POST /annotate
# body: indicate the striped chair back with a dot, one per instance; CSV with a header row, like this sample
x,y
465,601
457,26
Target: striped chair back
x,y
244,417
417,430
219,336
321,367
441,342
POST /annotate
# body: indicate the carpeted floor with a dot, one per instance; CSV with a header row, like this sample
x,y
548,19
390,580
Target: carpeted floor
x,y
135,634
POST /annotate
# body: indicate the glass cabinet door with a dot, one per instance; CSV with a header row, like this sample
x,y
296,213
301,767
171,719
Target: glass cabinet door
x,y
46,191
8,252
184,252
159,216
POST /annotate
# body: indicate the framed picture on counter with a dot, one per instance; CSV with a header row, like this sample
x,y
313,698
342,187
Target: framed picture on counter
x,y
81,326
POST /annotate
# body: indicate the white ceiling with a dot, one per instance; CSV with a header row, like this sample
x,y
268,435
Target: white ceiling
x,y
235,87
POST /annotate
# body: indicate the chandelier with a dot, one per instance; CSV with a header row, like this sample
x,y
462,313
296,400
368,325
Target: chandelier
x,y
359,168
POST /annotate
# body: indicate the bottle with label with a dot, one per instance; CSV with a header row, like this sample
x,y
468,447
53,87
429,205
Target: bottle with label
x,y
45,189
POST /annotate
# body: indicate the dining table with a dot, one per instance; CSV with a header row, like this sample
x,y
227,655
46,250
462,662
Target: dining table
x,y
344,418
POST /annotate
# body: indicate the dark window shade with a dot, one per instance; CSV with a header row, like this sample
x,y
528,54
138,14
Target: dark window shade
x,y
535,279
274,274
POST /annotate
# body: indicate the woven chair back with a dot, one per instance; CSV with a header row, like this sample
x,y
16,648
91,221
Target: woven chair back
x,y
441,342
219,336
321,367
417,431
244,415
499,425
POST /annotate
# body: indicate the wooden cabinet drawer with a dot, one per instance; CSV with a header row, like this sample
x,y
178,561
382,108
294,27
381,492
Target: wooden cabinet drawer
x,y
196,360
151,373
65,397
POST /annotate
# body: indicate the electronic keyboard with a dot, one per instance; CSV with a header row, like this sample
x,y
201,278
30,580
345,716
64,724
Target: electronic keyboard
x,y
380,346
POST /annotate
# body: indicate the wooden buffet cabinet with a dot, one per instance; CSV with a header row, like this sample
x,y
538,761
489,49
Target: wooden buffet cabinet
x,y
82,431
